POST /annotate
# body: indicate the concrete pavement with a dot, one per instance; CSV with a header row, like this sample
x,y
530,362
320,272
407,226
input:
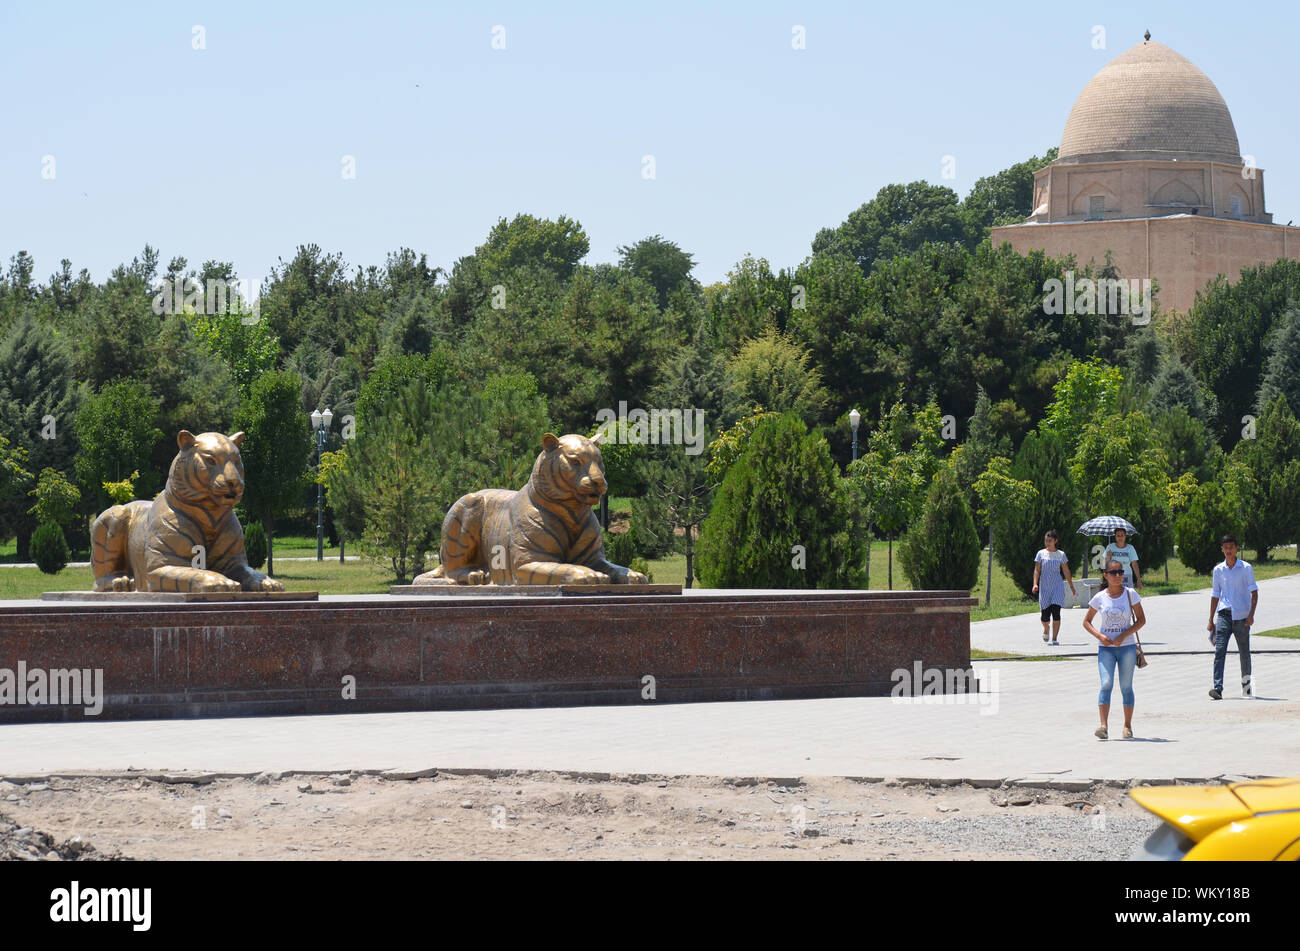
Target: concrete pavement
x,y
1175,622
1031,721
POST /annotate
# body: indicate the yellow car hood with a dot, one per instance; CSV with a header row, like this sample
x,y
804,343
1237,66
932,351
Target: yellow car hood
x,y
1199,810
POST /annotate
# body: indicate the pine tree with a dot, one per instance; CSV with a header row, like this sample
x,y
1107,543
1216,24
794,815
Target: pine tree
x,y
942,551
1282,369
781,518
38,401
1042,461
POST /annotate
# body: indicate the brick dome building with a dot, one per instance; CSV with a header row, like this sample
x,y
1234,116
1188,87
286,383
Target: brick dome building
x,y
1149,168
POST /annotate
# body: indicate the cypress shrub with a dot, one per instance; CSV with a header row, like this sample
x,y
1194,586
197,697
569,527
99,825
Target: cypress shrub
x,y
941,551
1043,459
49,548
255,544
1208,518
781,518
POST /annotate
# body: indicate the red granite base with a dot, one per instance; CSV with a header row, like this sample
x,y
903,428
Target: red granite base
x,y
386,654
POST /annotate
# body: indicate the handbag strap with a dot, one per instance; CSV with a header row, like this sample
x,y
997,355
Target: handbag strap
x,y
1133,616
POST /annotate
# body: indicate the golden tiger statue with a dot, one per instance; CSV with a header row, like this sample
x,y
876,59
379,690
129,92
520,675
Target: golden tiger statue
x,y
156,545
546,533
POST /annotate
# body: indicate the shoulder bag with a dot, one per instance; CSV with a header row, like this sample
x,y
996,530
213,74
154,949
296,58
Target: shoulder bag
x,y
1142,657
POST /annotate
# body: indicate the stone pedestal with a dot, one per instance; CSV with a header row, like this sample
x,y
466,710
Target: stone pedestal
x,y
352,654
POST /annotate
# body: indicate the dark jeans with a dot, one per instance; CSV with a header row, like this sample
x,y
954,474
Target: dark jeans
x,y
1224,627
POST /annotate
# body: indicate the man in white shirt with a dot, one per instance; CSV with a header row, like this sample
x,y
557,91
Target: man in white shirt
x,y
1233,598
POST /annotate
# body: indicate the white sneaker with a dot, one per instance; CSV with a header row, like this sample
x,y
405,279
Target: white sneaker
x,y
1248,690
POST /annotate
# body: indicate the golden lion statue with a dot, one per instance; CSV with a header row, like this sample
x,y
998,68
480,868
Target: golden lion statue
x,y
187,539
545,533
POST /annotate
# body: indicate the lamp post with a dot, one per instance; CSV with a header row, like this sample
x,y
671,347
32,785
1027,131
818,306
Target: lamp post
x,y
320,422
855,418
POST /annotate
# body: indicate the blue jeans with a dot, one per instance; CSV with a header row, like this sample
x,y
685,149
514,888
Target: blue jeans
x,y
1225,627
1125,657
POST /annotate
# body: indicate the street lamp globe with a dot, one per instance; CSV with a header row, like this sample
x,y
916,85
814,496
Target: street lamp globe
x,y
327,417
854,419
315,419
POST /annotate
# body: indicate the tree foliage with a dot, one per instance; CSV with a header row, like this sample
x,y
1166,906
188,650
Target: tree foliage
x,y
941,550
781,516
1043,461
117,432
56,498
276,449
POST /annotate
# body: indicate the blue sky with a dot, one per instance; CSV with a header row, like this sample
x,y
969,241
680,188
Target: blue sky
x,y
235,151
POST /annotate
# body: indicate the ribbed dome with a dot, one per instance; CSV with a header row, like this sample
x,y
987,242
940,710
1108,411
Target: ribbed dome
x,y
1150,103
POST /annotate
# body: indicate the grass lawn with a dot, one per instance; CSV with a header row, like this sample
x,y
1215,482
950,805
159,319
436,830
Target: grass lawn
x,y
366,577
327,577
1292,632
977,654
1006,597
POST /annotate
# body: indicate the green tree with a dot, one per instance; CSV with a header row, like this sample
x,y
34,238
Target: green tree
x,y
56,498
118,434
779,517
1005,198
242,341
39,397
556,246
769,372
733,443
193,387
888,482
342,495
276,449
1271,509
941,551
558,334
394,374
1282,370
50,548
1044,462
391,468
1118,464
1213,510
113,335
1225,337
1186,443
751,300
1003,497
1174,387
679,488
123,491
983,443
898,220
487,435
14,477
659,262
1089,392
309,299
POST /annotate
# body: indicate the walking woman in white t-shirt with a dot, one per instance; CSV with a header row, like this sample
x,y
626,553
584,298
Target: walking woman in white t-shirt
x,y
1114,607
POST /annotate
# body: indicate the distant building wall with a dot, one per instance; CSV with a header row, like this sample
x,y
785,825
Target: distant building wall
x,y
1181,252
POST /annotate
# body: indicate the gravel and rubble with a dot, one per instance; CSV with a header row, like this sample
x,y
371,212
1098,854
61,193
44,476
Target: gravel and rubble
x,y
503,814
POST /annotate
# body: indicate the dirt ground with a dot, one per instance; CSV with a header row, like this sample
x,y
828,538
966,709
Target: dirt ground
x,y
551,816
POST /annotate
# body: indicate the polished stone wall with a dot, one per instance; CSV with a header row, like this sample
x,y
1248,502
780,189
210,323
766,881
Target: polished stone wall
x,y
352,655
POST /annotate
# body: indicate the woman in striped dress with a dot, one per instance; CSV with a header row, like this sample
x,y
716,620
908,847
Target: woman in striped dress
x,y
1051,574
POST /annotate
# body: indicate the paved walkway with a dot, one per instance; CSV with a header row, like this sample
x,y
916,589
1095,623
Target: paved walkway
x,y
1175,622
1032,720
